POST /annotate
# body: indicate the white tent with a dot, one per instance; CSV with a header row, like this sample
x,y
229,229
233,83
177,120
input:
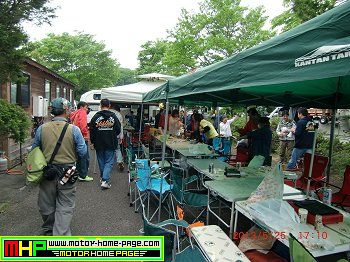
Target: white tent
x,y
129,93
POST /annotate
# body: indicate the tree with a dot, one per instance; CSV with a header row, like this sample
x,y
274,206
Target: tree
x,y
151,57
14,121
300,11
12,36
79,58
126,76
220,29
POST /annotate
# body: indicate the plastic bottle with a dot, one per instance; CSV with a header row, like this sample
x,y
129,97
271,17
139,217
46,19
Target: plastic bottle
x,y
67,175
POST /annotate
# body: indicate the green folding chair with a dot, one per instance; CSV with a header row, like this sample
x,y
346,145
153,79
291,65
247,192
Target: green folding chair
x,y
171,240
192,198
298,252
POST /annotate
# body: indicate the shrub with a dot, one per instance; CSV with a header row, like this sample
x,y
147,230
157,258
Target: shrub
x,y
14,121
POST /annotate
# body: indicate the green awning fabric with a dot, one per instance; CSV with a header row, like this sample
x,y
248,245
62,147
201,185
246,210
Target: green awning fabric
x,y
306,66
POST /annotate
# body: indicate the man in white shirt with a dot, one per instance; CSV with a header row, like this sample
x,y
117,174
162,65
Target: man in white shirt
x,y
225,126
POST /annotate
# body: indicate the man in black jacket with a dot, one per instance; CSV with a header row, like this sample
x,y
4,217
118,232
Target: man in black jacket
x,y
303,138
105,128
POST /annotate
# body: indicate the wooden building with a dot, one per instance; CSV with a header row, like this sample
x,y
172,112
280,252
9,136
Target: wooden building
x,y
41,82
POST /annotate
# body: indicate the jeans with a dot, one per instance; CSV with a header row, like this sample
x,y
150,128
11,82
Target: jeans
x,y
105,160
83,163
296,154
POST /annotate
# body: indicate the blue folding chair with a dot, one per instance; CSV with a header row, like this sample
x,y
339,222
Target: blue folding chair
x,y
149,182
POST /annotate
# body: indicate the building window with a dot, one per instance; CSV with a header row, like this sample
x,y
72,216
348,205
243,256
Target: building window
x,y
20,92
48,90
13,93
71,95
58,91
65,93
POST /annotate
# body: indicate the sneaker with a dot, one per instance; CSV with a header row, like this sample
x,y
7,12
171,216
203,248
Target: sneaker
x,y
86,179
105,185
121,167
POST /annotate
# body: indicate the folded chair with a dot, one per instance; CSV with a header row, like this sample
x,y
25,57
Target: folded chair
x,y
131,174
222,147
317,176
150,183
171,240
192,198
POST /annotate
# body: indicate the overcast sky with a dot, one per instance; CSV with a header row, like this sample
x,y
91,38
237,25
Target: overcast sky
x,y
125,25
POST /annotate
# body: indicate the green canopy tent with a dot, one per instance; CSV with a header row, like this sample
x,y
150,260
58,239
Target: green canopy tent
x,y
306,66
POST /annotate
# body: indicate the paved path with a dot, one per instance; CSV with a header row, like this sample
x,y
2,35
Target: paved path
x,y
97,212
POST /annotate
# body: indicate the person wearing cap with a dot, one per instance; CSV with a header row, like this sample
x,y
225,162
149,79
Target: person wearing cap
x,y
79,119
261,140
303,138
285,131
56,202
104,137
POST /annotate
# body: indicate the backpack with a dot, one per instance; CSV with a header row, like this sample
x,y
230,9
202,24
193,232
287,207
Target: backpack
x,y
35,164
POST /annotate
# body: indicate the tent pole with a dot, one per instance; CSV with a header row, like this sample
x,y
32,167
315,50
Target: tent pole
x,y
140,129
163,149
311,163
218,118
331,135
331,145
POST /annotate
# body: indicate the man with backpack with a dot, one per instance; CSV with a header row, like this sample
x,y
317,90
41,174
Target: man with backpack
x,y
60,142
104,137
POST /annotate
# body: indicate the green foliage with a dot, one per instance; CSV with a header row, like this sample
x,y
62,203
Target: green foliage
x,y
14,121
126,76
220,29
300,11
340,153
12,36
151,56
275,139
79,58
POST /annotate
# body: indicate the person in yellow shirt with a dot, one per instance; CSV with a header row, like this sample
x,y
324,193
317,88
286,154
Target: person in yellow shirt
x,y
206,128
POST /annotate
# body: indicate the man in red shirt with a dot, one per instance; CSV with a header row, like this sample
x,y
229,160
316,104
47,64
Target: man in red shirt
x,y
79,119
252,123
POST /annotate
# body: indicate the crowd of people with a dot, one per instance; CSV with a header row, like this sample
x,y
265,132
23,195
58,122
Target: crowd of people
x,y
105,133
57,191
255,136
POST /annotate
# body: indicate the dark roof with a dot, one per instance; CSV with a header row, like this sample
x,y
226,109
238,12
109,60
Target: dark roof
x,y
41,67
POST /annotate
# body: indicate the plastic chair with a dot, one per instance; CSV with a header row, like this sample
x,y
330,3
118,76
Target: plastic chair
x,y
171,240
319,166
149,183
342,197
192,198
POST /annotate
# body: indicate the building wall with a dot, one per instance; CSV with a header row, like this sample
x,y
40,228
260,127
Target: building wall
x,y
38,76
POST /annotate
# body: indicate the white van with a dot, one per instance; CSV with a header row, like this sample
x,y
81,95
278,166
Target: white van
x,y
93,98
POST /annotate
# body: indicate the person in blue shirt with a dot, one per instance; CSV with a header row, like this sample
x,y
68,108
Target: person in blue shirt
x,y
56,201
303,138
